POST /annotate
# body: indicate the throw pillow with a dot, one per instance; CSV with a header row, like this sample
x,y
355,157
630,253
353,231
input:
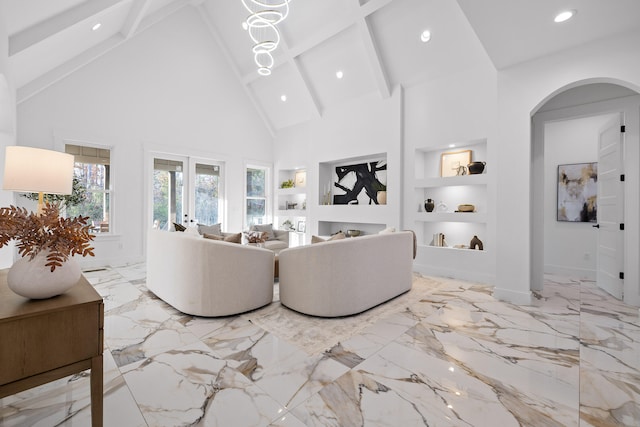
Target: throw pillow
x,y
256,236
267,228
233,237
337,236
210,229
179,227
388,230
213,236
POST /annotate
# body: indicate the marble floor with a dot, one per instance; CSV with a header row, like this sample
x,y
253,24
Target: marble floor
x,y
444,354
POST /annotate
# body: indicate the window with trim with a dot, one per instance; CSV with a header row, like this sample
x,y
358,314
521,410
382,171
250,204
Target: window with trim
x,y
92,170
256,195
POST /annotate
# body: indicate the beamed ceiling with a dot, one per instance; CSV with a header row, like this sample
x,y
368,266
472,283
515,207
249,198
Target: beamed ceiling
x,y
376,43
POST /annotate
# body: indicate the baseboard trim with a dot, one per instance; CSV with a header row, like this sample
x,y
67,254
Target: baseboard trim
x,y
580,273
514,297
469,276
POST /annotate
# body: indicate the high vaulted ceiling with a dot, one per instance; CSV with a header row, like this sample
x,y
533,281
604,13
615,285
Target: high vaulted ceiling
x,y
376,43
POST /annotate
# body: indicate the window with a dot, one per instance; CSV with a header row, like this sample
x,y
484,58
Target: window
x,y
256,195
92,170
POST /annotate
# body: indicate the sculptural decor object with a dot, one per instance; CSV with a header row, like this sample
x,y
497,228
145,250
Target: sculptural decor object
x,y
475,168
475,243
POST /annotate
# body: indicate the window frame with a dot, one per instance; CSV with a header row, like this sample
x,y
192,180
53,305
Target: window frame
x,y
61,144
267,167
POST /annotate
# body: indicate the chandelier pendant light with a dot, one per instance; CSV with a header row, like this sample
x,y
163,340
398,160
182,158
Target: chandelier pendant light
x,y
264,16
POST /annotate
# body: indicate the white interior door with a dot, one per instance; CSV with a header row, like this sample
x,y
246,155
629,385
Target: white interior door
x,y
610,209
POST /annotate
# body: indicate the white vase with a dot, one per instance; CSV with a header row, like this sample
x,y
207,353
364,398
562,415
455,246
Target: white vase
x,y
32,279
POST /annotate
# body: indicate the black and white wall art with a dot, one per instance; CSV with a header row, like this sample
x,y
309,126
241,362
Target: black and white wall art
x,y
361,183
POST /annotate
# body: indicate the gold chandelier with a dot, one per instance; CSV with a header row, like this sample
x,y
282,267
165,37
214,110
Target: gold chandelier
x,y
261,23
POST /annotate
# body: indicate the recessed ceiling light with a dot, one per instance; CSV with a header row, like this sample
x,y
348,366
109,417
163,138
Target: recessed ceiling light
x,y
564,16
283,98
425,36
245,26
339,74
452,145
96,26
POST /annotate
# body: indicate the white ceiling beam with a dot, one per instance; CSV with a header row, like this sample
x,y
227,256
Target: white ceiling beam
x,y
216,36
37,33
136,14
317,109
373,6
41,83
371,49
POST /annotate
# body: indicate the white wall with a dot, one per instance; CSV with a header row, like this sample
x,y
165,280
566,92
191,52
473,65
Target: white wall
x,y
7,123
569,247
521,89
361,127
168,89
452,110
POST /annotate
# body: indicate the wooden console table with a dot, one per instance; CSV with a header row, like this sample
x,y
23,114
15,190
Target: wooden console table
x,y
45,340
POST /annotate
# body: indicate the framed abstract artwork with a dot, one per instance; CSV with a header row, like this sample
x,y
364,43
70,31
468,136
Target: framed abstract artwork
x,y
578,192
454,163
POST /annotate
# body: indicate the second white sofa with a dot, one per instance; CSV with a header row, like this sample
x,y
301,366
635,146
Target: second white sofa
x,y
348,276
205,277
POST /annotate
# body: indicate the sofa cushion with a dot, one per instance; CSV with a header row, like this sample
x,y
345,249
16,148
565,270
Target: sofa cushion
x,y
210,229
267,228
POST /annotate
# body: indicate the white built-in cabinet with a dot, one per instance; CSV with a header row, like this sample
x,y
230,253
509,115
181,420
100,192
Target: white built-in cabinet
x,y
458,227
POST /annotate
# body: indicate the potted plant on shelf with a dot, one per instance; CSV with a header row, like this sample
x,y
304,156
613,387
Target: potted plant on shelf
x,y
47,243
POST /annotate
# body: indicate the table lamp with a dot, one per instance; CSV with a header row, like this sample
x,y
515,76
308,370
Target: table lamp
x,y
35,170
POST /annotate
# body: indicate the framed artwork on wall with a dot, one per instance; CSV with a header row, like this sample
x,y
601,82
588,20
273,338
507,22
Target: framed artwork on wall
x,y
361,183
577,192
300,179
302,226
454,163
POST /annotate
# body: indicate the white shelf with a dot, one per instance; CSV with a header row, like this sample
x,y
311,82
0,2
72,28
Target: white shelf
x,y
291,212
450,181
291,191
475,217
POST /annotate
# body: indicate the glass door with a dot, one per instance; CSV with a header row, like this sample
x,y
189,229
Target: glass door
x,y
185,191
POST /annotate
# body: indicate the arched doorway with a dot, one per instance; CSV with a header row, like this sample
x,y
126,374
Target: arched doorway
x,y
583,103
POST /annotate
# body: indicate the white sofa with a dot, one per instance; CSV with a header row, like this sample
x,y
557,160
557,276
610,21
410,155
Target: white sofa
x,y
205,277
348,276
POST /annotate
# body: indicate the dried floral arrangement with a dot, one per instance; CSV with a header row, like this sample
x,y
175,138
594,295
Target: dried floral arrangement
x,y
62,237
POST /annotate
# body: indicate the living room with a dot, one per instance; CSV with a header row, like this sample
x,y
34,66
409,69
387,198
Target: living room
x,y
175,87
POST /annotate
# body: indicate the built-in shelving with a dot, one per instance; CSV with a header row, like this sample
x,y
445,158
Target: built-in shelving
x,y
290,203
458,227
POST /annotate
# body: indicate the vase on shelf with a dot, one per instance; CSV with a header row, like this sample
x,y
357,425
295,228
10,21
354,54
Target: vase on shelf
x,y
31,278
429,205
476,167
442,207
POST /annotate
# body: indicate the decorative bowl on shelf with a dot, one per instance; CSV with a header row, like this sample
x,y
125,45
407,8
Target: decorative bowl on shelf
x,y
353,233
466,208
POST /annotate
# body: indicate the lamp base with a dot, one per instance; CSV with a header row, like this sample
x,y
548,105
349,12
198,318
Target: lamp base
x,y
32,279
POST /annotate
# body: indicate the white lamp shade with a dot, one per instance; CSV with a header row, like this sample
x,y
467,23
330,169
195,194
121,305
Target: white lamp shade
x,y
33,170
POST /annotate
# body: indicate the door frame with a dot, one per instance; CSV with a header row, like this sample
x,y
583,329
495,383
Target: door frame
x,y
629,108
149,152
